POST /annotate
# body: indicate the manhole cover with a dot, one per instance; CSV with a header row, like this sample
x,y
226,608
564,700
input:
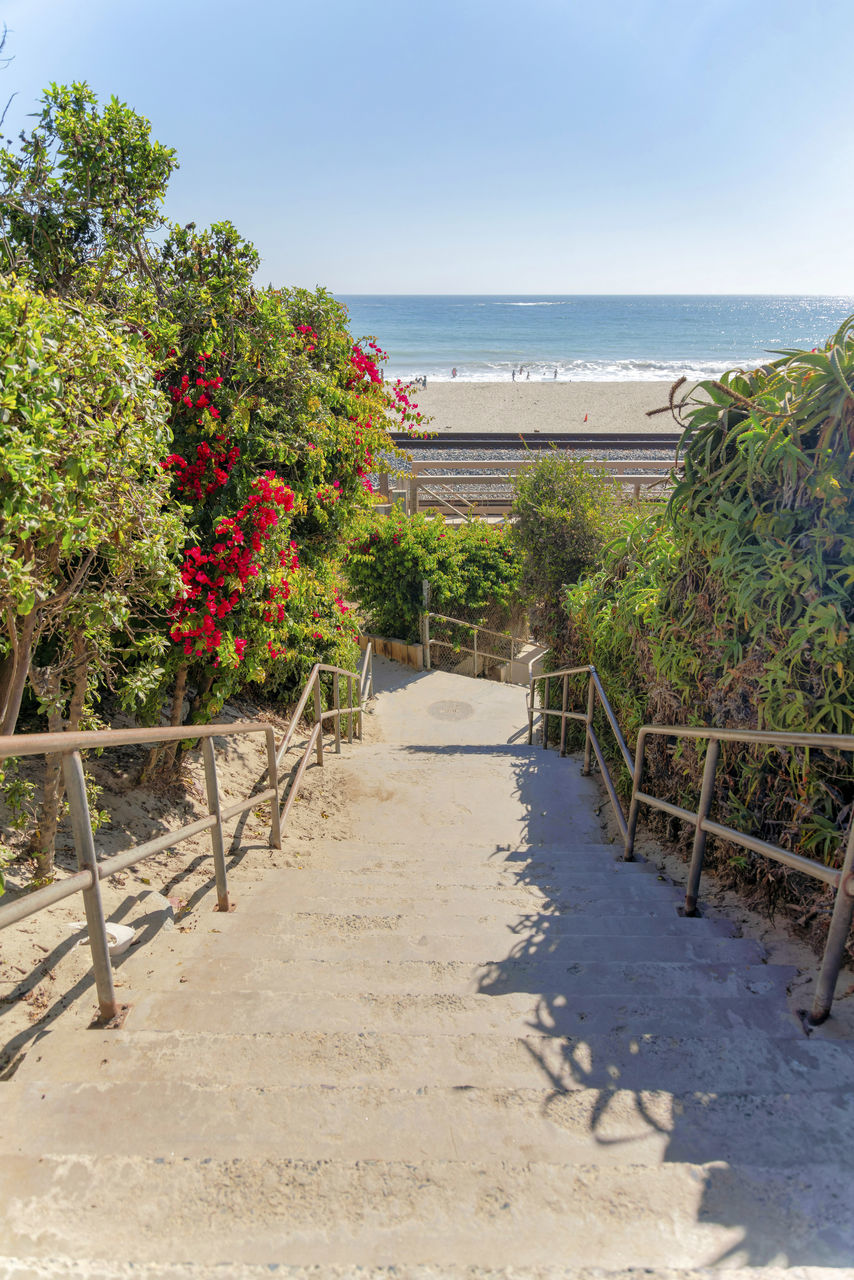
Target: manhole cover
x,y
450,710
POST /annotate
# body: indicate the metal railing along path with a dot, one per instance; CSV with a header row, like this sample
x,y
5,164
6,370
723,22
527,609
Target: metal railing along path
x,y
474,493
480,653
841,878
91,871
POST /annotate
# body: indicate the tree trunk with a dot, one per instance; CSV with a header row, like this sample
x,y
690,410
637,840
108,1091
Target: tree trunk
x,y
203,689
7,675
22,652
161,759
172,750
54,787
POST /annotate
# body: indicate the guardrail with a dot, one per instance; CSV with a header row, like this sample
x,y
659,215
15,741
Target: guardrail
x,y
480,653
841,878
461,493
91,871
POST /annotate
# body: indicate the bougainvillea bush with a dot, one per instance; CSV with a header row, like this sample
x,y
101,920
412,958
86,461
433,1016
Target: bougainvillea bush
x,y
471,568
735,607
278,419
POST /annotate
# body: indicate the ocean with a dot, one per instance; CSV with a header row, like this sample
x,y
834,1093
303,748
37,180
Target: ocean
x,y
588,338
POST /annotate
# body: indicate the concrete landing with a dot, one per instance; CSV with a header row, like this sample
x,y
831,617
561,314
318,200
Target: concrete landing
x,y
457,1037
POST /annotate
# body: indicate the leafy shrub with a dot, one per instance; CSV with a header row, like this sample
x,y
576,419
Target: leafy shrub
x,y
562,514
735,607
472,567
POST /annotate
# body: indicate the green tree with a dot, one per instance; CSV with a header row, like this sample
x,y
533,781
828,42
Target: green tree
x,y
87,535
81,195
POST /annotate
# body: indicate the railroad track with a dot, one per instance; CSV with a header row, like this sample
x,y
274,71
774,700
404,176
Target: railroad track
x,y
575,441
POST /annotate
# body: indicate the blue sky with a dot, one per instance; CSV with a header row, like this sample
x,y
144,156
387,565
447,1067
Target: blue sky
x,y
649,146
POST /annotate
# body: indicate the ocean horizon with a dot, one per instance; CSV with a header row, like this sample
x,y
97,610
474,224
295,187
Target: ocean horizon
x,y
588,337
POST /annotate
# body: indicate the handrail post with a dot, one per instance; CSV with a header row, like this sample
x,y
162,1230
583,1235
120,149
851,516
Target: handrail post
x,y
336,703
474,646
349,710
318,718
707,791
837,936
214,807
563,707
532,693
426,643
273,779
87,860
634,806
546,698
591,693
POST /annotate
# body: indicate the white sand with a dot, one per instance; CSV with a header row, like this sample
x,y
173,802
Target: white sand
x,y
545,406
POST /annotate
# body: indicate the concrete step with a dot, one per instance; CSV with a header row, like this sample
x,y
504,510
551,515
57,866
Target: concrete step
x,y
441,845
463,904
564,979
414,879
502,944
376,858
192,1007
362,1214
684,1063
316,1122
91,1269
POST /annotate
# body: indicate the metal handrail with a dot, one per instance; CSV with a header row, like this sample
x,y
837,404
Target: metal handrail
x,y
478,651
91,871
839,878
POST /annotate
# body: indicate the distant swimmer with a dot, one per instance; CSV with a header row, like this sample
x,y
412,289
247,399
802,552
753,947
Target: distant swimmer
x,y
554,375
528,376
513,374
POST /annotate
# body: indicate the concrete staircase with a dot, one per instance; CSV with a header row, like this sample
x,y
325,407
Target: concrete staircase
x,y
457,1038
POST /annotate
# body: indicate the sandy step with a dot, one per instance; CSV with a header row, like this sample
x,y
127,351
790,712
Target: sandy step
x,y
316,1122
325,936
364,1214
678,1063
190,1007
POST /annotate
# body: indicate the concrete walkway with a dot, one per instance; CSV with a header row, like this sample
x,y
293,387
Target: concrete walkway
x,y
457,1038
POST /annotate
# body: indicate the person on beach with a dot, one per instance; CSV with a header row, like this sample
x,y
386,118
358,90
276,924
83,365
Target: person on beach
x,y
453,373
513,374
554,375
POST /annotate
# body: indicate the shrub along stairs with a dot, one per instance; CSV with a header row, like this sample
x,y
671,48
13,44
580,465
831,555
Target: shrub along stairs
x,y
457,1038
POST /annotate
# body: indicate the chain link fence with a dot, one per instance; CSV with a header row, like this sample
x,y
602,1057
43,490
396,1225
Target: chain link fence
x,y
467,649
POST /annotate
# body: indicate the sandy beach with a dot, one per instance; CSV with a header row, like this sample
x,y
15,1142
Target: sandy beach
x,y
545,406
